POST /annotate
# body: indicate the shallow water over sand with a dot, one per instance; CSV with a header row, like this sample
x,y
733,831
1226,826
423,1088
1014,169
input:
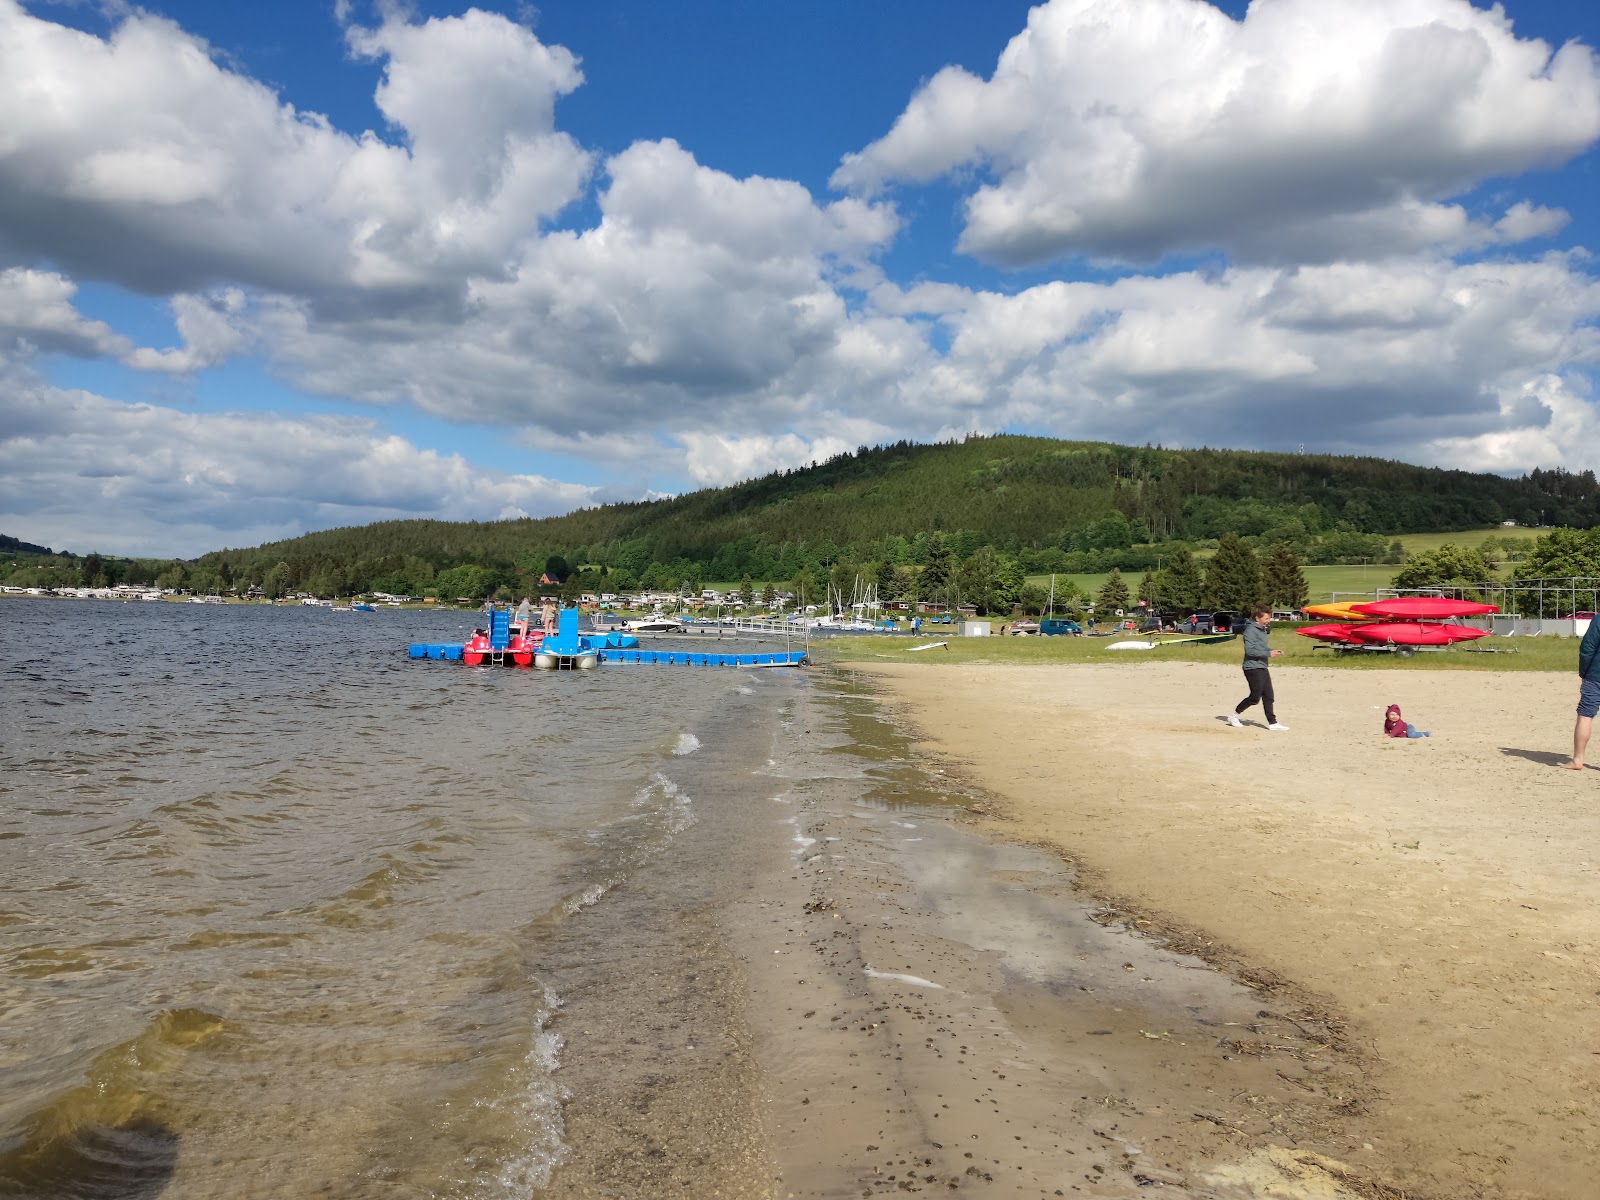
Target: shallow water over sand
x,y
283,913
273,895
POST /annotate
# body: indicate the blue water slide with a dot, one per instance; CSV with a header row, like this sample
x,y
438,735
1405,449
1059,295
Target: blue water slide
x,y
499,627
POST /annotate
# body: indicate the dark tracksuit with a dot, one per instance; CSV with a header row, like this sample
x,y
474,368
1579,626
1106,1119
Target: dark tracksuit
x,y
1256,654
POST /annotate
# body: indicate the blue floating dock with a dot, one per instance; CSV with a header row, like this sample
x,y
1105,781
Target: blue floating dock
x,y
568,646
431,650
791,659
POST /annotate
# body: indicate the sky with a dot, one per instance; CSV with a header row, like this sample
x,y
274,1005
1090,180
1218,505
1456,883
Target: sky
x,y
271,268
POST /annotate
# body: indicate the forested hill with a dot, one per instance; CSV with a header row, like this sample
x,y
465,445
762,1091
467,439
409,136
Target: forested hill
x,y
1052,505
11,545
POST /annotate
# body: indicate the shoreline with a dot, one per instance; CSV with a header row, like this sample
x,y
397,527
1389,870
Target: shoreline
x,y
931,1004
1430,898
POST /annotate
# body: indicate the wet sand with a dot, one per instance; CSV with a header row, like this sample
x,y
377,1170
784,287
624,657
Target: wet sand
x,y
871,994
1415,920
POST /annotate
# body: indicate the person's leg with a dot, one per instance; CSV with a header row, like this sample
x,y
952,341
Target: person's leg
x,y
1588,706
1253,698
1267,697
1580,742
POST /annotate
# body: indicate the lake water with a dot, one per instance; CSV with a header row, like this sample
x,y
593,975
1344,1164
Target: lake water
x,y
285,913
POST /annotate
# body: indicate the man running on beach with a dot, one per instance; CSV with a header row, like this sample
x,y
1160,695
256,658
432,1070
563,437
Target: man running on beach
x,y
1256,654
1588,695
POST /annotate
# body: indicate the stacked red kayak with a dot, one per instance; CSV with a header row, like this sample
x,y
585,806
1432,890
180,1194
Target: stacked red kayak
x,y
1405,621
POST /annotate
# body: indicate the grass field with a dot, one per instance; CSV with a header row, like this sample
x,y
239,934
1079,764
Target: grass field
x,y
1511,654
1326,582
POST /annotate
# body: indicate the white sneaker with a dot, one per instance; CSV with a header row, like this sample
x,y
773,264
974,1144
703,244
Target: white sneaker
x,y
1233,719
1276,728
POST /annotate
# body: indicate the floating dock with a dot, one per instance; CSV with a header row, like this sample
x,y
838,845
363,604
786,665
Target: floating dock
x,y
568,650
778,658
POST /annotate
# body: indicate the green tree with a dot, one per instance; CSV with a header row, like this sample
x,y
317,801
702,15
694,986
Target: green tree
x,y
1114,595
1067,597
1183,582
1448,566
980,581
1283,580
747,590
556,568
804,588
887,580
1032,599
842,585
1233,577
1150,589
94,571
275,585
937,569
466,582
1562,554
769,595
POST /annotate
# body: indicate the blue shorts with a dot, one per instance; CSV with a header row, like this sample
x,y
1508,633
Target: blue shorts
x,y
1589,699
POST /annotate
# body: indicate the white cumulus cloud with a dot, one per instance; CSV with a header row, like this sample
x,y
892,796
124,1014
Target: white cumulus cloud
x,y
1307,131
85,472
142,160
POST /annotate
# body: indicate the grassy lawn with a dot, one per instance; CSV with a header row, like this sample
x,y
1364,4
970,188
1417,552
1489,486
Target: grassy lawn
x,y
1325,582
1514,654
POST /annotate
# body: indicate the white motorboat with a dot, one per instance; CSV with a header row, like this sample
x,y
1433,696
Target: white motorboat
x,y
656,623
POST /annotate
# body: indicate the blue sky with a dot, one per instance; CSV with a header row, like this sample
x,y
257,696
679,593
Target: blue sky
x,y
267,268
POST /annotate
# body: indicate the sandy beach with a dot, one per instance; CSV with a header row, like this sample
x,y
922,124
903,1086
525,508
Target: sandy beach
x,y
1432,900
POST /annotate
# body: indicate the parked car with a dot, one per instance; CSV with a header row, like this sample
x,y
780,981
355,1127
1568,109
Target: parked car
x,y
1056,626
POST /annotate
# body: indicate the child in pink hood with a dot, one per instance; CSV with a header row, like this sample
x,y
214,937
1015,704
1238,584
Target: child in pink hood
x,y
1395,726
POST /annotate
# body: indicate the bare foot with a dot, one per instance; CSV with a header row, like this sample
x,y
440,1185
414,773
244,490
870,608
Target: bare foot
x,y
1575,764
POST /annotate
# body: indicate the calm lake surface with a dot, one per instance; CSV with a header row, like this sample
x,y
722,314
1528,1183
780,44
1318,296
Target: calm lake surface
x,y
285,913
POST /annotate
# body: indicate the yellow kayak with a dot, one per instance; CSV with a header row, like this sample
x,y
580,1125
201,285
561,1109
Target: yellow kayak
x,y
1342,611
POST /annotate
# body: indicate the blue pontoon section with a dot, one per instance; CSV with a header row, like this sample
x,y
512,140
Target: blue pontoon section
x,y
779,659
427,650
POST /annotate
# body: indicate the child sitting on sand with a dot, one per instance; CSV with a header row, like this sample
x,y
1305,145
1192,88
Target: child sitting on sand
x,y
1395,726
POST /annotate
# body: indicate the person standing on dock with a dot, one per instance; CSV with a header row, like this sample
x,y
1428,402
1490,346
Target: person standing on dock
x,y
524,614
548,615
1588,693
1256,655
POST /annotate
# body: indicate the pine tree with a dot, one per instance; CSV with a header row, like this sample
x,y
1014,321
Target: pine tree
x,y
886,581
1283,580
1182,581
1233,578
1150,589
1113,595
934,582
769,595
747,590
